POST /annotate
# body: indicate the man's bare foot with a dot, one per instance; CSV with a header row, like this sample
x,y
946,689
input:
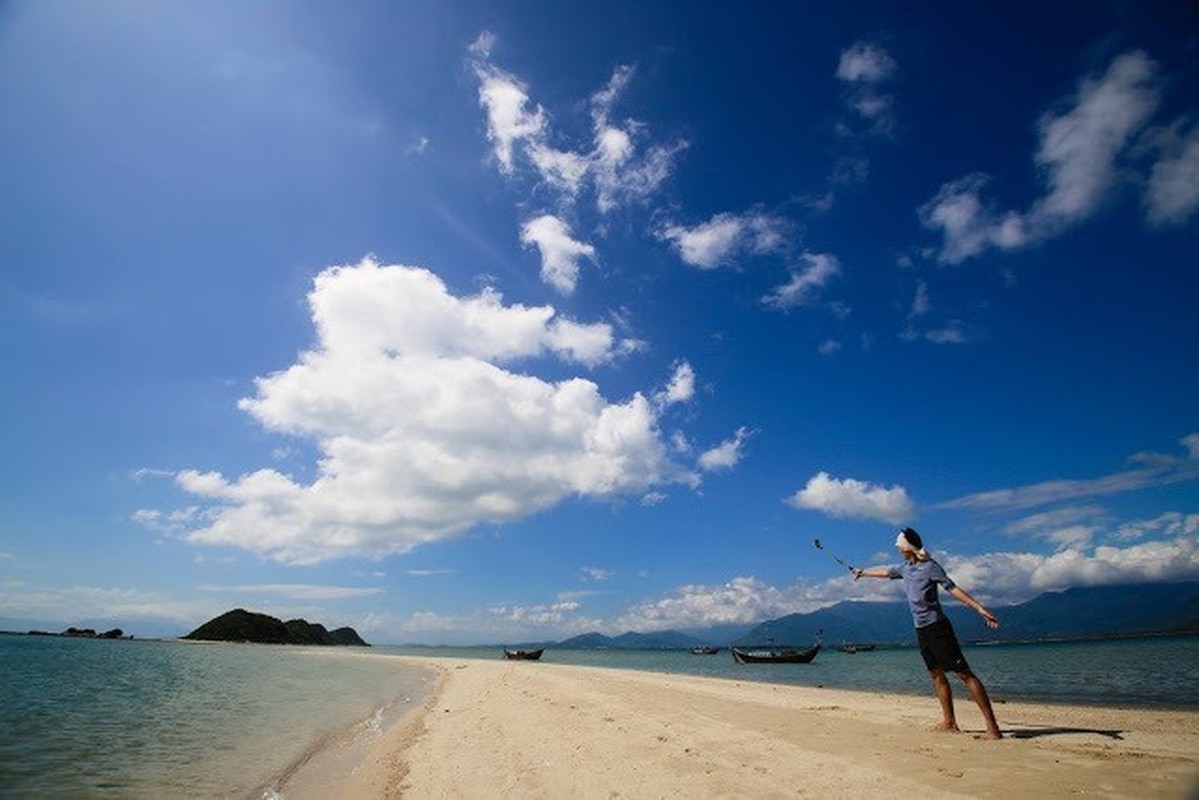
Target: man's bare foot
x,y
947,727
990,735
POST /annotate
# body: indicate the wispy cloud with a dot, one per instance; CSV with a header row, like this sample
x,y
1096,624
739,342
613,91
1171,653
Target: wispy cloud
x,y
814,273
1079,156
613,163
596,574
1172,194
295,591
863,68
1161,469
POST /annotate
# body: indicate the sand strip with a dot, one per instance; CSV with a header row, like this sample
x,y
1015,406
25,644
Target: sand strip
x,y
536,730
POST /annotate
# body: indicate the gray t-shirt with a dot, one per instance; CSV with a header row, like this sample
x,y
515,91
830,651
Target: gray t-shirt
x,y
920,581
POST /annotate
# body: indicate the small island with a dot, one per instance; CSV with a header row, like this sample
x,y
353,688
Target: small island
x,y
85,633
240,625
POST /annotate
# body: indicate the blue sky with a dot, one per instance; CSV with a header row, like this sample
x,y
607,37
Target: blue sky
x,y
476,322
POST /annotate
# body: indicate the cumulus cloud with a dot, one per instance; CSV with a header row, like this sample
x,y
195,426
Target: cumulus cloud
x,y
1079,154
817,270
560,253
1018,576
743,600
426,426
725,237
613,163
854,499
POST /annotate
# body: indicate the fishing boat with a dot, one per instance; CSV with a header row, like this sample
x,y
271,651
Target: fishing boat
x,y
523,655
774,655
705,650
855,648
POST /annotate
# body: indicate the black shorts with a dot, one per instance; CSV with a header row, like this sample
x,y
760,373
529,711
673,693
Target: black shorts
x,y
939,647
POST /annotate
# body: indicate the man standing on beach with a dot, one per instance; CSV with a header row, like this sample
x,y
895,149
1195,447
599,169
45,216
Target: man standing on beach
x,y
934,633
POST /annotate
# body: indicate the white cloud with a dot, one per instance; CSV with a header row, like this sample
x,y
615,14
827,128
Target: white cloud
x,y
725,455
596,574
967,224
559,252
73,604
1171,523
167,522
829,347
817,270
1078,155
1079,148
854,499
611,162
954,332
723,238
295,591
510,121
1172,194
1019,576
681,387
1161,469
424,427
921,304
863,62
862,68
743,600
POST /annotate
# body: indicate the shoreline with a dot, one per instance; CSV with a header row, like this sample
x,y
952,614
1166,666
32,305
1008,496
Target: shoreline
x,y
531,729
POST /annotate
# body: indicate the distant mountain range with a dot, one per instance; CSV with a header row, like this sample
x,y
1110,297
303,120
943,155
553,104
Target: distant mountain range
x,y
1084,612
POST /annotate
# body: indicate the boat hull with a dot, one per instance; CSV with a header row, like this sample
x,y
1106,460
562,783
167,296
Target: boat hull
x,y
523,655
775,656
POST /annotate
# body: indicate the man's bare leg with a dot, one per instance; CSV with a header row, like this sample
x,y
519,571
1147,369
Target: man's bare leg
x,y
979,693
949,722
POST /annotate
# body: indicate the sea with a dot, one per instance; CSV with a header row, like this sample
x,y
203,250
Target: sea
x,y
134,718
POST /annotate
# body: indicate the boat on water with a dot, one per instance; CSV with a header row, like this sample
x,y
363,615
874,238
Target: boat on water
x,y
705,650
774,655
523,655
855,648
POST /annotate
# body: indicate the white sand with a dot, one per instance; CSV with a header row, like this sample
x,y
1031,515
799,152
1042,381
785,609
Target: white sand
x,y
536,730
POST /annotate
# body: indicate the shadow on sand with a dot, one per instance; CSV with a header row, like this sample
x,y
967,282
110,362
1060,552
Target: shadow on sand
x,y
1033,733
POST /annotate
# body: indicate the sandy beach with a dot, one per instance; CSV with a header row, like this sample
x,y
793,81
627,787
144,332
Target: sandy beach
x,y
532,729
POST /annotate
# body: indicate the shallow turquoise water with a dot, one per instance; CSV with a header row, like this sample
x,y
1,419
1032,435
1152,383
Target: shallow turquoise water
x,y
90,718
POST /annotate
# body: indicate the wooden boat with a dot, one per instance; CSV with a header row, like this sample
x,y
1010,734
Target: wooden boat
x,y
523,655
775,655
855,648
705,650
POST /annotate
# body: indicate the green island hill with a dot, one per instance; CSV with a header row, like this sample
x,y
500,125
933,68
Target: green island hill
x,y
240,625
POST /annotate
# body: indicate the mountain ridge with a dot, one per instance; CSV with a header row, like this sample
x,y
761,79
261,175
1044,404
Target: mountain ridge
x,y
1074,613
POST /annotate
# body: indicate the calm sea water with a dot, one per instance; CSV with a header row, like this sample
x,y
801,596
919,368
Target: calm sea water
x,y
1153,672
87,718
95,718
